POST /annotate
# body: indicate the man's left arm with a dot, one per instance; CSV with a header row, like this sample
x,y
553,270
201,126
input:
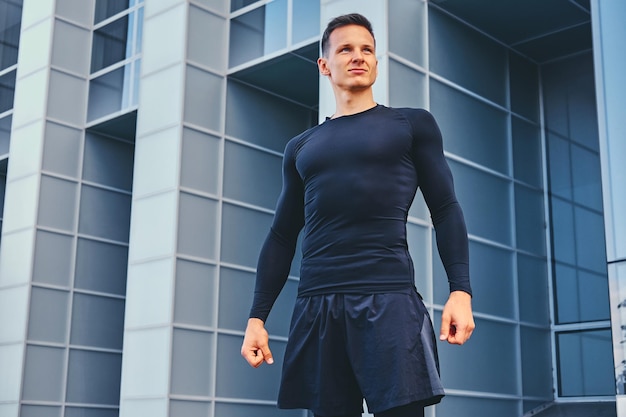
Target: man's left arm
x,y
436,183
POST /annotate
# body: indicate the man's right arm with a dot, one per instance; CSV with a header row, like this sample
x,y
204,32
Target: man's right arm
x,y
275,261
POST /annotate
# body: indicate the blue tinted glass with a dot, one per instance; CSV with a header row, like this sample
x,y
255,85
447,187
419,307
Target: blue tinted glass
x,y
306,19
238,4
586,363
110,44
11,12
108,8
259,32
7,90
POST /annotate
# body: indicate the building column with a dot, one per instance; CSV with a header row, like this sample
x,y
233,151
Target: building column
x,y
609,33
40,211
174,208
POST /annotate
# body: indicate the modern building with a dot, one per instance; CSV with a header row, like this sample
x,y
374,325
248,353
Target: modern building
x,y
140,159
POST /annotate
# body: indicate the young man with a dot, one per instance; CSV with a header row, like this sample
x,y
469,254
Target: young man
x,y
359,328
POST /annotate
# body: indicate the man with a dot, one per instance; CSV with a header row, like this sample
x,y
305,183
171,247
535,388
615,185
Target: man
x,y
359,328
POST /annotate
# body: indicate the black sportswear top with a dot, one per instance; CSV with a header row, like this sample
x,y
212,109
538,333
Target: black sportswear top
x,y
350,182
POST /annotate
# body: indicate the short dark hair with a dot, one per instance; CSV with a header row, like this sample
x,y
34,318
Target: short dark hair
x,y
344,20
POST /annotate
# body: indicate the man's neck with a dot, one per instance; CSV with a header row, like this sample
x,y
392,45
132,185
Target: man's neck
x,y
348,102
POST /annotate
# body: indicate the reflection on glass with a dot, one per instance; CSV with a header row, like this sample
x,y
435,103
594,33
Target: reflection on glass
x,y
5,135
7,90
116,41
10,23
306,20
108,8
113,92
110,44
238,4
586,363
259,32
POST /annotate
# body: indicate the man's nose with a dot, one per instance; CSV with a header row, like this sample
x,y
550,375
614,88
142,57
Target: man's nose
x,y
357,55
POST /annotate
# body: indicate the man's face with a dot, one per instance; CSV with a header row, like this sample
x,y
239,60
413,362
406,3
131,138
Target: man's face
x,y
351,63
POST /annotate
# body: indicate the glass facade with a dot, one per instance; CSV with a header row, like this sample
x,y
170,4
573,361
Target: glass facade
x,y
115,58
10,24
579,269
145,165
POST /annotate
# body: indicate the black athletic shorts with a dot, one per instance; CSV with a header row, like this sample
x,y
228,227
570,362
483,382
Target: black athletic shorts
x,y
346,347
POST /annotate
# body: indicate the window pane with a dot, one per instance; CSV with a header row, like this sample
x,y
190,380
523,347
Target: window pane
x,y
110,44
524,84
53,255
11,13
61,152
7,90
256,410
90,412
485,201
97,321
251,176
108,161
203,98
189,408
590,242
580,296
202,26
404,28
466,57
243,232
40,411
201,153
44,368
532,278
101,266
94,377
236,291
5,134
106,94
108,8
536,362
192,364
487,366
471,128
48,315
563,240
585,363
472,407
586,178
527,152
195,294
407,86
270,121
258,33
57,203
530,221
240,380
104,213
238,4
306,19
197,226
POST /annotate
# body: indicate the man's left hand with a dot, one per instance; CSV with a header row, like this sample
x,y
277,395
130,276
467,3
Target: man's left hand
x,y
457,321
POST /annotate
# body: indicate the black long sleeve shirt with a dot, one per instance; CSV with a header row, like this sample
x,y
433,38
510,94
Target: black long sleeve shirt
x,y
349,182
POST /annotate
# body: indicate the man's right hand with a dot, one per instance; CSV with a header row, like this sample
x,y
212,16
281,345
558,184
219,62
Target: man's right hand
x,y
255,348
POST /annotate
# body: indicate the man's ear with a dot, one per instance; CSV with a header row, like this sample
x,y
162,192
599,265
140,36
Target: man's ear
x,y
323,67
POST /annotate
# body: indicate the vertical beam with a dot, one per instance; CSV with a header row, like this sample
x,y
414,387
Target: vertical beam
x,y
610,72
21,198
